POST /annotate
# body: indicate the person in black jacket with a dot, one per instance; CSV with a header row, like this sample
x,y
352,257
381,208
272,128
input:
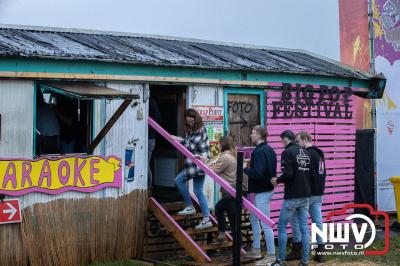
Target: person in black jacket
x,y
296,176
318,176
262,169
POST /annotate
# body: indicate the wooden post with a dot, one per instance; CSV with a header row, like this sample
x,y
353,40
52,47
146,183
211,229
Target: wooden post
x,y
237,241
109,124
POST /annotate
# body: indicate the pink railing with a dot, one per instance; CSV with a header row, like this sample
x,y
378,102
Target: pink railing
x,y
246,203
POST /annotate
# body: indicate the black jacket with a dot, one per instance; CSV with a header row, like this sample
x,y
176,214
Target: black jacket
x,y
319,171
262,169
296,167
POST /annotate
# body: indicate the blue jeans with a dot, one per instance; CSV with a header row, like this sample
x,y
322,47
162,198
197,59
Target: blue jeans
x,y
316,217
262,202
198,184
291,207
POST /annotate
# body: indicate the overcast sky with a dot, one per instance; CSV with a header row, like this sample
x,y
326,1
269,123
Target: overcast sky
x,y
306,24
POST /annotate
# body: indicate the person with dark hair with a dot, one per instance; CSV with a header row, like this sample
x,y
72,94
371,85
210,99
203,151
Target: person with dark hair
x,y
262,169
225,165
296,176
196,141
318,176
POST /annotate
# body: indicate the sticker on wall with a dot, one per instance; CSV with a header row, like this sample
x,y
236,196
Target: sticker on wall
x,y
390,126
57,175
129,171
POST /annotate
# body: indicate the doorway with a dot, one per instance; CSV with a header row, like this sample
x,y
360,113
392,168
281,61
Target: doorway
x,y
166,161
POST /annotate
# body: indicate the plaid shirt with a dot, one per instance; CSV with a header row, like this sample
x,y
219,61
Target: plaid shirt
x,y
196,143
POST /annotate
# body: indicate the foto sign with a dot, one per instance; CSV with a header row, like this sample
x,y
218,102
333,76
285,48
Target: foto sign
x,y
57,175
10,211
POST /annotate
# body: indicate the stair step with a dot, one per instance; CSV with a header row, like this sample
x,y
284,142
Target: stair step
x,y
217,245
187,217
173,206
193,231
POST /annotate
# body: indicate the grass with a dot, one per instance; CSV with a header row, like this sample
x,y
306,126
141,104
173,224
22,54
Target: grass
x,y
392,258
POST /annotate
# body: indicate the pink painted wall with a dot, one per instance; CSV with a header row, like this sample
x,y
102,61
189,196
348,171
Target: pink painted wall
x,y
336,137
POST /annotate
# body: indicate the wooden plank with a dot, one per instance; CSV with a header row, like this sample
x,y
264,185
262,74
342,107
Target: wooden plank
x,y
336,131
187,217
179,234
217,245
159,79
333,143
349,155
339,177
340,171
173,206
340,189
338,149
108,125
349,137
194,231
312,120
339,183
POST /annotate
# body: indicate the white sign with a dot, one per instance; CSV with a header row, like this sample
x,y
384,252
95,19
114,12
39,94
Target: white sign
x,y
388,134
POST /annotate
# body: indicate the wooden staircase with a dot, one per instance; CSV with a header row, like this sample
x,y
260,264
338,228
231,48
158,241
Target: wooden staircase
x,y
196,242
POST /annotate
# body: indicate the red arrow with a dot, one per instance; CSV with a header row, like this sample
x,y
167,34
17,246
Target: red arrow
x,y
11,210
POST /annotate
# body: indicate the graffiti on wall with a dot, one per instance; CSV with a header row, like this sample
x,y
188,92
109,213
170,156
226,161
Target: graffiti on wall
x,y
386,21
243,115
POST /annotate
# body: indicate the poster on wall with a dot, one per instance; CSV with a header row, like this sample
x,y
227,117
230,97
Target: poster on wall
x,y
355,50
213,119
386,22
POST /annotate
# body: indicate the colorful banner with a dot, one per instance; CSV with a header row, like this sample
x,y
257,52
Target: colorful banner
x,y
55,176
386,22
213,119
355,49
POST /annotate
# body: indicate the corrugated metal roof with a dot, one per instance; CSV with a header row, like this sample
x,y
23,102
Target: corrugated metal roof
x,y
56,43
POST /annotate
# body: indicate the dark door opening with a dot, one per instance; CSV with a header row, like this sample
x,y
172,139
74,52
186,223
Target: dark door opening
x,y
166,161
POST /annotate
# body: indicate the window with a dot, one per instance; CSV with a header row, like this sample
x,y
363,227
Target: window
x,y
64,116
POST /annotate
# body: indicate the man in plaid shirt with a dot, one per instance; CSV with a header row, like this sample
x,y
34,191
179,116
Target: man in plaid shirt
x,y
196,141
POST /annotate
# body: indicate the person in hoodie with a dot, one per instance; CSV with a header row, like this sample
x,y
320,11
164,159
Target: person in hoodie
x,y
303,138
262,168
296,168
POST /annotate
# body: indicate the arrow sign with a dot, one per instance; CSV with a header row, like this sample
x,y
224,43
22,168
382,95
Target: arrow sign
x,y
10,211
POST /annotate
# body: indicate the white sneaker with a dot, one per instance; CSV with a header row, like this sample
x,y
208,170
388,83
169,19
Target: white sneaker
x,y
187,211
205,223
267,259
254,253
